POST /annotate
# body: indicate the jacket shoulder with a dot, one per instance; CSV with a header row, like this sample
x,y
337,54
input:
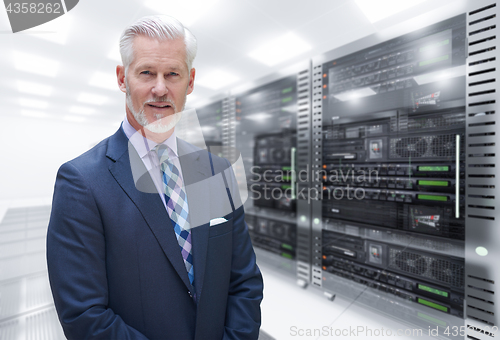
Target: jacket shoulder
x,y
90,160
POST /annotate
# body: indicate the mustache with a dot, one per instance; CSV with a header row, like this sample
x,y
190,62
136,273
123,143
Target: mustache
x,y
162,99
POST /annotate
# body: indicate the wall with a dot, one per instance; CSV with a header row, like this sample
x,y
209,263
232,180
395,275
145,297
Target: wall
x,y
32,150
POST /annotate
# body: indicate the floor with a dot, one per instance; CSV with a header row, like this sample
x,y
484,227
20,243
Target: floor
x,y
288,311
26,305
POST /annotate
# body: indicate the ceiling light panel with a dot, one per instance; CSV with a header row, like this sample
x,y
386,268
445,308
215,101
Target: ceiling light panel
x,y
90,98
34,88
35,64
74,119
186,11
217,79
82,110
280,49
381,9
34,114
33,103
104,80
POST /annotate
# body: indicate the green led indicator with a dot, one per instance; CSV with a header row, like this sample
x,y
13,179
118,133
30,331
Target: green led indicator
x,y
434,183
287,90
286,168
288,256
287,178
286,100
433,305
431,319
433,60
286,187
433,168
218,111
433,290
286,246
432,198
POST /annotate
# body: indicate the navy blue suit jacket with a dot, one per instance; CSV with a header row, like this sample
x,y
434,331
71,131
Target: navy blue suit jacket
x,y
115,267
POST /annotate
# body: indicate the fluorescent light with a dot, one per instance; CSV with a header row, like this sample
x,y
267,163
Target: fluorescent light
x,y
381,9
34,88
186,11
90,98
217,79
34,64
365,92
37,104
281,49
74,119
440,75
258,117
104,80
34,114
82,110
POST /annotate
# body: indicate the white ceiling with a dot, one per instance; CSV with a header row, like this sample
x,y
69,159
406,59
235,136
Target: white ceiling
x,y
227,33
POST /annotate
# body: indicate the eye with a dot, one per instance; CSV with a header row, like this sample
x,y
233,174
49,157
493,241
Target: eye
x,y
145,72
174,74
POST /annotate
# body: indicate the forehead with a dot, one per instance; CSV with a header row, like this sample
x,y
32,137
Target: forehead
x,y
151,50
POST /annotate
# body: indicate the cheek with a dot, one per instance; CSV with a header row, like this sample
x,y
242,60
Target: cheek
x,y
140,96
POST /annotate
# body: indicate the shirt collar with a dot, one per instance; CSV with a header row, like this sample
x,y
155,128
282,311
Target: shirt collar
x,y
143,145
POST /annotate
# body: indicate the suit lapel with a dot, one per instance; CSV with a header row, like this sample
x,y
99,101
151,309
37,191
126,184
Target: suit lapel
x,y
147,202
196,172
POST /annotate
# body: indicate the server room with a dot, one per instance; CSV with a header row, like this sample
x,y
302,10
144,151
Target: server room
x,y
343,154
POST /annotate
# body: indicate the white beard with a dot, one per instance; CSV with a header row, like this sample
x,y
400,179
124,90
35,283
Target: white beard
x,y
161,124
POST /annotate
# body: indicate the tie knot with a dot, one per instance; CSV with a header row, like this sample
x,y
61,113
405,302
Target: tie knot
x,y
162,152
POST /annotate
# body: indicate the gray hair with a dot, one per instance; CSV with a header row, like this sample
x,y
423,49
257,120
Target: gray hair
x,y
161,27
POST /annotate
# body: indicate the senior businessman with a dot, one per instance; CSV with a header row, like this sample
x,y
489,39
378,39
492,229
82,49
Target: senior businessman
x,y
154,255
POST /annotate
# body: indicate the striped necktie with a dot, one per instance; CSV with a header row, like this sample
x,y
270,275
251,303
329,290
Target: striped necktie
x,y
177,206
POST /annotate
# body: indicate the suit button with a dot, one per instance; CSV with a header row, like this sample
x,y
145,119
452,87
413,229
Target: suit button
x,y
190,295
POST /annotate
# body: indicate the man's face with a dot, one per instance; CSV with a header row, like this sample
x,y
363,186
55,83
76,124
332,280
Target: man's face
x,y
157,83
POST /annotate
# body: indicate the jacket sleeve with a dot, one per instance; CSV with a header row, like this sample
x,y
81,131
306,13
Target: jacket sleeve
x,y
243,316
76,263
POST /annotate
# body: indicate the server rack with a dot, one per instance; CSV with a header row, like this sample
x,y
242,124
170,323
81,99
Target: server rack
x,y
271,126
482,233
469,186
211,122
451,127
206,125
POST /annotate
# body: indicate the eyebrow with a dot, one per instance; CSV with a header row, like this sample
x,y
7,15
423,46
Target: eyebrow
x,y
146,66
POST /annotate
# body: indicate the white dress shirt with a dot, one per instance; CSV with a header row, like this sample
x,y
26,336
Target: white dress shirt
x,y
145,150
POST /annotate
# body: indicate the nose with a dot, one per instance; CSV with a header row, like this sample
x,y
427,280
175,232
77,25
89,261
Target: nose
x,y
160,88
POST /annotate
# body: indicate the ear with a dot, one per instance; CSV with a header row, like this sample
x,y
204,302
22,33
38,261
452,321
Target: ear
x,y
120,77
191,81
